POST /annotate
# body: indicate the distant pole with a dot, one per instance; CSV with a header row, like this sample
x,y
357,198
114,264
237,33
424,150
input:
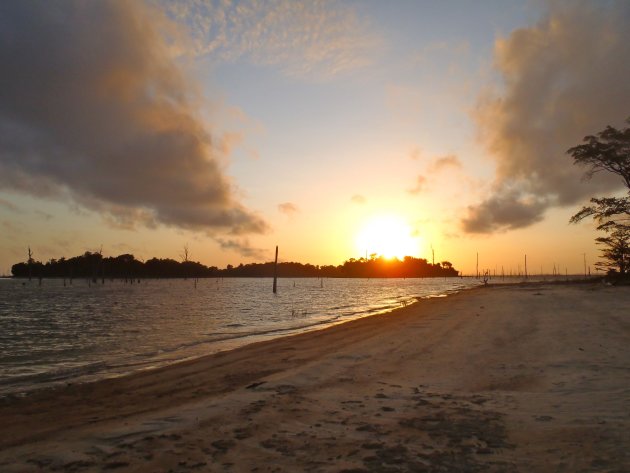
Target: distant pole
x,y
477,265
584,254
102,267
525,266
433,256
30,261
275,273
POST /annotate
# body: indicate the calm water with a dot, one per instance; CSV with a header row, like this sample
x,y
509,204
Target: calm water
x,y
53,334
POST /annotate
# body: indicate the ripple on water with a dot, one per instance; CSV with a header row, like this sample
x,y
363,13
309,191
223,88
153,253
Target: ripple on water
x,y
54,333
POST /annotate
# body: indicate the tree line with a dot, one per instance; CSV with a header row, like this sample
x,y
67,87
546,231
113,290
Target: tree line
x,y
92,265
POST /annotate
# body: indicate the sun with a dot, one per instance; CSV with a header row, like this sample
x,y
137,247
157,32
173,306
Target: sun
x,y
388,236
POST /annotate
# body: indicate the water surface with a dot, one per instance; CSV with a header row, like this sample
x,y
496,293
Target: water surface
x,y
51,333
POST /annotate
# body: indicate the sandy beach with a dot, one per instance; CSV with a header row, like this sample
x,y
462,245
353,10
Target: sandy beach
x,y
504,378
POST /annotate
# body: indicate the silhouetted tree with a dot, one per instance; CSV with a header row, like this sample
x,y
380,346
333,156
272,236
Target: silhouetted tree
x,y
185,253
127,267
616,250
608,151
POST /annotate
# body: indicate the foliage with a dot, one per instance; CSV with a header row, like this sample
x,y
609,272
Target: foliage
x,y
616,249
605,208
94,266
608,151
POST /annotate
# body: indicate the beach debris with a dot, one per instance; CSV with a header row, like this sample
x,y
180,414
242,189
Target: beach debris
x,y
255,385
543,418
223,445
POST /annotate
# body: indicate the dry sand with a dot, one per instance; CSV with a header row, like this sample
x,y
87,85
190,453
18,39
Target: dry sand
x,y
530,378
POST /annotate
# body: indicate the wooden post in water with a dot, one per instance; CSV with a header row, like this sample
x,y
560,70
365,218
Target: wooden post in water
x,y
477,267
275,273
584,264
30,262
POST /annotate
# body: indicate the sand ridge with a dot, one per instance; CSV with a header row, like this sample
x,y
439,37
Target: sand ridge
x,y
531,378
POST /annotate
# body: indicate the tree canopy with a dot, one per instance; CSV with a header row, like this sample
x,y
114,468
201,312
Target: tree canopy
x,y
609,151
95,266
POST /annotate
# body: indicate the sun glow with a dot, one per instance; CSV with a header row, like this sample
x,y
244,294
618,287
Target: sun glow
x,y
387,236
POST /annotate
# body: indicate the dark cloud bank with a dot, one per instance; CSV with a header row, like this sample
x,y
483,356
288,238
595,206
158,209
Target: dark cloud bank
x,y
92,107
566,77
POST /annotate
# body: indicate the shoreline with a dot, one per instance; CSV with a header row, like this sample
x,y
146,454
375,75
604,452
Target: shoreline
x,y
476,374
52,376
49,391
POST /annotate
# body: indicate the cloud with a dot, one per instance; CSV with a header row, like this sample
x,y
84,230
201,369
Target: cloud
x,y
415,153
358,199
94,109
508,209
304,38
421,183
432,168
11,228
125,248
243,247
44,215
8,205
443,162
564,78
288,208
450,52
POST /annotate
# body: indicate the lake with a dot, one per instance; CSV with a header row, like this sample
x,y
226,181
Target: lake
x,y
54,333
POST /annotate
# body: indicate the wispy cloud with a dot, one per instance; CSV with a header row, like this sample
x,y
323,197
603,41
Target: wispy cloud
x,y
432,169
415,153
358,199
444,162
564,78
289,209
450,51
421,183
94,108
308,38
44,215
11,228
243,247
7,204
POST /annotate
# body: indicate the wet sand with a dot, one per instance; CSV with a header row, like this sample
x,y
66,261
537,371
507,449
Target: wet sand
x,y
506,378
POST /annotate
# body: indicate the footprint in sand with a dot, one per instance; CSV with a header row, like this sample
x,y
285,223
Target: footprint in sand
x,y
543,418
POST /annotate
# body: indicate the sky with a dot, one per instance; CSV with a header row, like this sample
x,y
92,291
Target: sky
x,y
333,129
